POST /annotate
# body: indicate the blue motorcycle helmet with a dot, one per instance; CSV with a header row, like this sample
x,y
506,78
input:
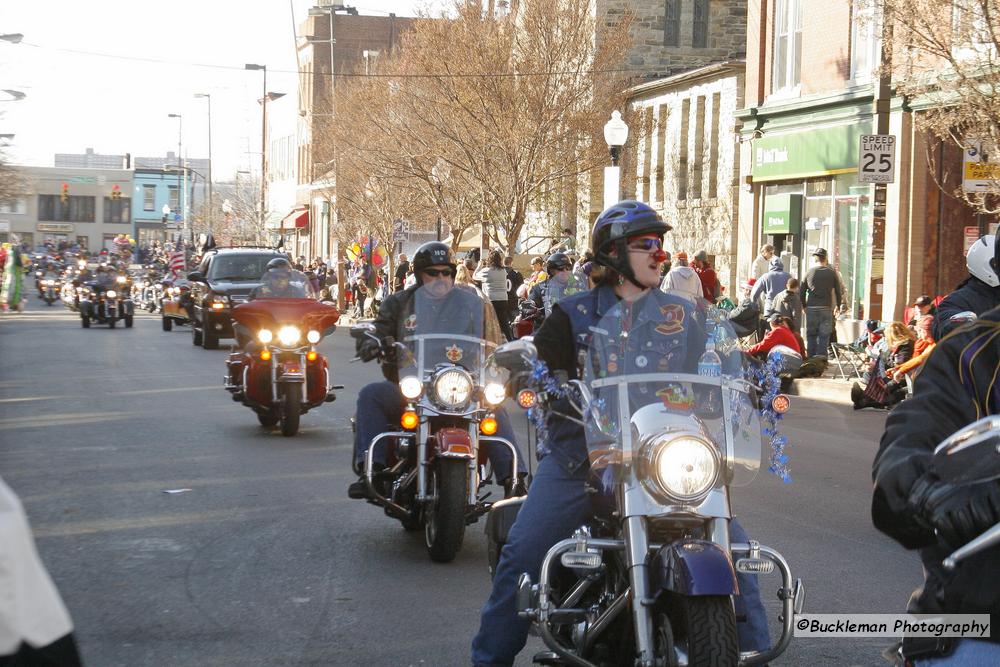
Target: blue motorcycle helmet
x,y
615,226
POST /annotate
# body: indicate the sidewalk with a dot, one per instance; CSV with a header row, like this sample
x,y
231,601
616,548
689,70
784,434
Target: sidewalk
x,y
831,387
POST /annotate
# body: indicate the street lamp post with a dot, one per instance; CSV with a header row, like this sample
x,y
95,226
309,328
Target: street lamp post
x,y
182,176
263,136
439,173
616,134
211,197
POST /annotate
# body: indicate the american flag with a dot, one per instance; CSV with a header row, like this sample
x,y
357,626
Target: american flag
x,y
177,262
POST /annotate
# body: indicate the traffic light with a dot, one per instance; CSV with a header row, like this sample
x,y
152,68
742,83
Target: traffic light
x,y
116,192
64,197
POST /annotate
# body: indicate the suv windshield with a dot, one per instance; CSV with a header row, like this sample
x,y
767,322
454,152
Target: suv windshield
x,y
239,267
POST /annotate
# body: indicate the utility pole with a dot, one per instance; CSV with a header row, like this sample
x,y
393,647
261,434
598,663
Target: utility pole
x,y
211,196
880,109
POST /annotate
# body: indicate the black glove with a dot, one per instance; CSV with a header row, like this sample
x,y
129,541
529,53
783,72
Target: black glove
x,y
369,349
958,512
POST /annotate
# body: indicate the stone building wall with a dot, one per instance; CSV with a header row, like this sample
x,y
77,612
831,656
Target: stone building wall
x,y
686,162
650,55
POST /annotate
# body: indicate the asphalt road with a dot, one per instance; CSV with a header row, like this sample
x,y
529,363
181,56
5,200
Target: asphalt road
x,y
265,561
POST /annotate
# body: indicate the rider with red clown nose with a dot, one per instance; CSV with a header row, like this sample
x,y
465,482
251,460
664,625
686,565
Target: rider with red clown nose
x,y
627,241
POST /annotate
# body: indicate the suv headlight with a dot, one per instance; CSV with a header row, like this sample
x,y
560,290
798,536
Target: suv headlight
x,y
494,393
289,335
411,386
453,387
265,336
683,467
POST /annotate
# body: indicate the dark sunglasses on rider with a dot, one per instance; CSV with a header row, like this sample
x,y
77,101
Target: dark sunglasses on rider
x,y
434,273
647,244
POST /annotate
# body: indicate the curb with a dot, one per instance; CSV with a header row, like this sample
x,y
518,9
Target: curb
x,y
823,389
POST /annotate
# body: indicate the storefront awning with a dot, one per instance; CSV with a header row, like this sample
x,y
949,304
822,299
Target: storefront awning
x,y
297,219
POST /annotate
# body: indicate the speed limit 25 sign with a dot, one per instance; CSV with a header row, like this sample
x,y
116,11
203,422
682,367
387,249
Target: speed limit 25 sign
x,y
877,159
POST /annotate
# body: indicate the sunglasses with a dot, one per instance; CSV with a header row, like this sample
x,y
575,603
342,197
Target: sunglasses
x,y
646,245
434,273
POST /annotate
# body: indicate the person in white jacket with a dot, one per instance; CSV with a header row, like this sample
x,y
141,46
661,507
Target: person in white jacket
x,y
682,279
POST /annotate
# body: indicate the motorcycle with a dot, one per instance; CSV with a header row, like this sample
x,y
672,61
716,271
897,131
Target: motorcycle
x,y
279,374
51,289
435,463
106,303
650,580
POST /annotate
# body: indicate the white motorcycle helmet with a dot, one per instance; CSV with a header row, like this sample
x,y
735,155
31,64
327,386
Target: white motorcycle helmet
x,y
981,260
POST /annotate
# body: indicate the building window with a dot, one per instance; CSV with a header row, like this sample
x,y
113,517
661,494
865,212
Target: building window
x,y
864,41
787,45
698,166
16,205
971,26
51,208
82,241
713,146
672,23
699,25
173,198
149,198
682,153
117,210
661,150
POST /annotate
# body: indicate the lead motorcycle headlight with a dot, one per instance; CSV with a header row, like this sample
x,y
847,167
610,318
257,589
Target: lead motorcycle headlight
x,y
289,335
411,387
120,279
683,467
313,337
494,392
111,294
265,336
453,387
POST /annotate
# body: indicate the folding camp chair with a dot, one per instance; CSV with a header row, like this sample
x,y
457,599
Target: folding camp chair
x,y
848,355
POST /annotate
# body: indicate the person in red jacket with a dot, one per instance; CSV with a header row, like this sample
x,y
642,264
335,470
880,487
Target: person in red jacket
x,y
779,334
709,281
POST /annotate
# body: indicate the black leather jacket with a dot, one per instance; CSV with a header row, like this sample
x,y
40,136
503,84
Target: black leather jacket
x,y
973,295
954,389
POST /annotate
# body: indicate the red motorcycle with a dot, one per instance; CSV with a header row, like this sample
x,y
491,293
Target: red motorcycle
x,y
279,374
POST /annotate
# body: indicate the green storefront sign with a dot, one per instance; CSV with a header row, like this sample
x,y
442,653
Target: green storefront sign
x,y
782,214
814,152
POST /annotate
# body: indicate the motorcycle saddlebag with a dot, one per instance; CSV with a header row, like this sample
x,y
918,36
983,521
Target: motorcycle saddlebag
x,y
499,521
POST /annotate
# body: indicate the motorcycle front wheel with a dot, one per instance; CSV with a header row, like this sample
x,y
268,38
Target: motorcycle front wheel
x,y
706,627
444,529
291,404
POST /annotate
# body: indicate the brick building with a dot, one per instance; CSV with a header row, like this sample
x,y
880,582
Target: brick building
x,y
358,42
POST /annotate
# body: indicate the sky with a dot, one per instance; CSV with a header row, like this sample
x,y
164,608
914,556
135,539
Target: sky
x,y
161,54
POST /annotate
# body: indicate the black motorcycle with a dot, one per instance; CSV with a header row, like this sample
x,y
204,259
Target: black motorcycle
x,y
106,303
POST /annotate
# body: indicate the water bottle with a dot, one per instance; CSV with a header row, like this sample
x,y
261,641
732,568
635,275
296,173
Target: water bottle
x,y
710,364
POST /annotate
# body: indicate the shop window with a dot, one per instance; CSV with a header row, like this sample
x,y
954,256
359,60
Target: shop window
x,y
787,69
672,23
82,241
865,41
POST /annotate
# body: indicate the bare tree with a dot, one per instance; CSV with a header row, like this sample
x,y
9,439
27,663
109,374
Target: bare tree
x,y
511,104
244,223
945,60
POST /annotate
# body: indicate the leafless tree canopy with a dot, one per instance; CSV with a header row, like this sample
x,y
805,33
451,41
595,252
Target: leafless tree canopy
x,y
945,59
509,108
245,223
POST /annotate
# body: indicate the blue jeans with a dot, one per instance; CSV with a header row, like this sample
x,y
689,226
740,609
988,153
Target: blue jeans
x,y
558,504
819,326
380,407
968,653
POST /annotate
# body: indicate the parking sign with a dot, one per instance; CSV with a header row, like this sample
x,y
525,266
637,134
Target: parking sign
x,y
877,159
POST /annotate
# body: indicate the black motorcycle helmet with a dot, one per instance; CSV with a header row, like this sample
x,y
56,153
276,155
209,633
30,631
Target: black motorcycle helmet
x,y
557,260
615,226
278,264
431,254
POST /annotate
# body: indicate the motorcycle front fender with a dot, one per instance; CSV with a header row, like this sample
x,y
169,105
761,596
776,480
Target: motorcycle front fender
x,y
693,567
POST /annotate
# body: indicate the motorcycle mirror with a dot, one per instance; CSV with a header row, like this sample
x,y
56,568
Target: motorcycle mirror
x,y
362,329
517,355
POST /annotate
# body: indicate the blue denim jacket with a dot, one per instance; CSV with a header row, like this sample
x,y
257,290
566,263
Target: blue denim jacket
x,y
674,348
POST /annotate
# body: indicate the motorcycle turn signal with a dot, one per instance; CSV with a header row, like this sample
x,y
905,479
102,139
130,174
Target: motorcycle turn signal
x,y
409,420
488,426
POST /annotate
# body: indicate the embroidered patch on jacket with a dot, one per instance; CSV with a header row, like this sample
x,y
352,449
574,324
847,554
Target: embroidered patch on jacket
x,y
673,320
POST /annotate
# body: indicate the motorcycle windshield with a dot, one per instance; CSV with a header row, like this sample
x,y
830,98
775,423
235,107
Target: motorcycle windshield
x,y
668,398
446,326
560,286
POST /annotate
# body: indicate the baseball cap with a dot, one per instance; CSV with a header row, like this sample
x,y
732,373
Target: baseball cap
x,y
775,317
820,252
749,282
872,325
923,300
681,255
